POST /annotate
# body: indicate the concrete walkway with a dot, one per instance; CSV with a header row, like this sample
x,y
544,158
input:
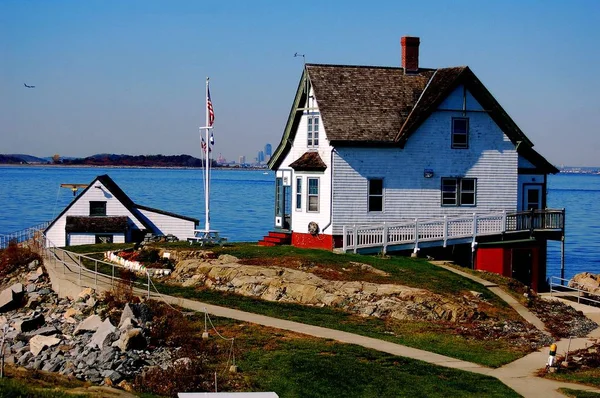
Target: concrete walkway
x,y
518,375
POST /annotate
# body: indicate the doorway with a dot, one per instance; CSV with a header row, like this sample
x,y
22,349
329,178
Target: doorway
x,y
283,204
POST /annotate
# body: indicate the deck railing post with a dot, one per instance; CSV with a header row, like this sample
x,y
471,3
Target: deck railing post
x,y
504,227
445,233
345,238
385,237
355,237
96,275
416,250
474,226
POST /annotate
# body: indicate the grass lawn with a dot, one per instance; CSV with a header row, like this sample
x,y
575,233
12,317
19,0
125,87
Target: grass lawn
x,y
434,337
578,394
307,368
590,376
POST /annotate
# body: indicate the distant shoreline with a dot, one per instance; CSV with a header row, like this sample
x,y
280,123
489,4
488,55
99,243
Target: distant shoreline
x,y
131,167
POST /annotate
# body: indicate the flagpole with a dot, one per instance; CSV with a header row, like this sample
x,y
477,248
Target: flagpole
x,y
207,168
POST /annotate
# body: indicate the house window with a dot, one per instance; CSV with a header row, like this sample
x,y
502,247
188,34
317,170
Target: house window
x,y
97,208
376,194
460,133
313,194
299,193
313,131
459,191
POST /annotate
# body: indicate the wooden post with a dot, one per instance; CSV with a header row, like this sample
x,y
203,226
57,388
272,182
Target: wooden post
x,y
345,238
562,260
504,221
474,227
355,238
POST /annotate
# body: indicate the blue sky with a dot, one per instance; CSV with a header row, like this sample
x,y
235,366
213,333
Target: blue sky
x,y
129,76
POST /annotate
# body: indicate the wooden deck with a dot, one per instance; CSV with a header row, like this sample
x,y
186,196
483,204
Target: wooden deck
x,y
449,231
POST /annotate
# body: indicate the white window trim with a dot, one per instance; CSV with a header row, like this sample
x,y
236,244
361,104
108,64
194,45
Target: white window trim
x,y
308,194
369,195
458,192
461,146
298,206
310,142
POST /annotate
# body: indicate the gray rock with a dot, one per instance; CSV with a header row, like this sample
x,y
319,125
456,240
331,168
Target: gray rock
x,y
106,355
127,313
23,359
44,291
27,325
7,300
38,343
17,288
91,324
37,364
131,339
46,331
31,288
91,358
33,265
104,336
142,312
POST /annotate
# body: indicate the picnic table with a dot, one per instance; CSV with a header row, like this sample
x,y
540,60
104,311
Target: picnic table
x,y
202,236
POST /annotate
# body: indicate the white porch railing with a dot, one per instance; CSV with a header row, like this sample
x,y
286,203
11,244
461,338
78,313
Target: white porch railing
x,y
442,230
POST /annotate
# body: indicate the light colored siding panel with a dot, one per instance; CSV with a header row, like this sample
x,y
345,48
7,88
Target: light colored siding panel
x,y
491,158
166,224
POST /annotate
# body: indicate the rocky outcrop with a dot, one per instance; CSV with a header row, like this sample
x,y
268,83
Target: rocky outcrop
x,y
586,281
71,337
295,286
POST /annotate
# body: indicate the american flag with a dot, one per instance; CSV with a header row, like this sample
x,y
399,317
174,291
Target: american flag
x,y
211,112
204,145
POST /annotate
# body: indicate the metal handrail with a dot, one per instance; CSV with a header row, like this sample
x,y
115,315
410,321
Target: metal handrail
x,y
557,285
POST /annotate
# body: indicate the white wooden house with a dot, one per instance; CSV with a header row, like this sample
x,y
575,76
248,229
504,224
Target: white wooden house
x,y
103,213
372,145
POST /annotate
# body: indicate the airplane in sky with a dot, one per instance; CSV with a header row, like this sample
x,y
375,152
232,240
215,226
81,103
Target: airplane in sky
x,y
25,84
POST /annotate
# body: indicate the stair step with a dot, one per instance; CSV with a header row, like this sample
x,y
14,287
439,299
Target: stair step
x,y
275,234
263,243
275,239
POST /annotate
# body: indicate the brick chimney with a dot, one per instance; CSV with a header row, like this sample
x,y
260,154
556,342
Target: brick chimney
x,y
410,54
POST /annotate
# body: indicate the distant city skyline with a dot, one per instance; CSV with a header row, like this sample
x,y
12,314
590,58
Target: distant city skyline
x,y
129,77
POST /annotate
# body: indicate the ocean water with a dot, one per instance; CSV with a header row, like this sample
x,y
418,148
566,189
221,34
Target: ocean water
x,y
242,203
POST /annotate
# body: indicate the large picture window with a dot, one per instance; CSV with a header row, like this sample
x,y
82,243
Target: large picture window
x,y
376,194
460,133
312,131
299,193
97,208
459,191
313,194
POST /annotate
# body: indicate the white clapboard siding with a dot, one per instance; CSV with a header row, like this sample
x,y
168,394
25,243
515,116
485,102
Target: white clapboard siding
x,y
301,218
491,158
166,224
75,239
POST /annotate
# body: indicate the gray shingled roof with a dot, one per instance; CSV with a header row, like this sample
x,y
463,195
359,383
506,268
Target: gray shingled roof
x,y
365,103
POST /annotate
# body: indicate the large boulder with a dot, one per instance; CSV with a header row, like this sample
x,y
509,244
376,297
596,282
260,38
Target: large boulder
x,y
39,342
89,324
104,335
586,281
132,339
29,324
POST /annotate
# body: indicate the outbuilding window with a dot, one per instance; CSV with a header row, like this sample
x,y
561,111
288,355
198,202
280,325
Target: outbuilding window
x,y
459,191
376,194
97,209
313,194
460,133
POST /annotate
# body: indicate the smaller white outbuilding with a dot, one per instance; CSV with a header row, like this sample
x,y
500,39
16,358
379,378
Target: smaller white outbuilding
x,y
103,213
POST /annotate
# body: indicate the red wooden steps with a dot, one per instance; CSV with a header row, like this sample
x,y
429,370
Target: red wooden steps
x,y
276,238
